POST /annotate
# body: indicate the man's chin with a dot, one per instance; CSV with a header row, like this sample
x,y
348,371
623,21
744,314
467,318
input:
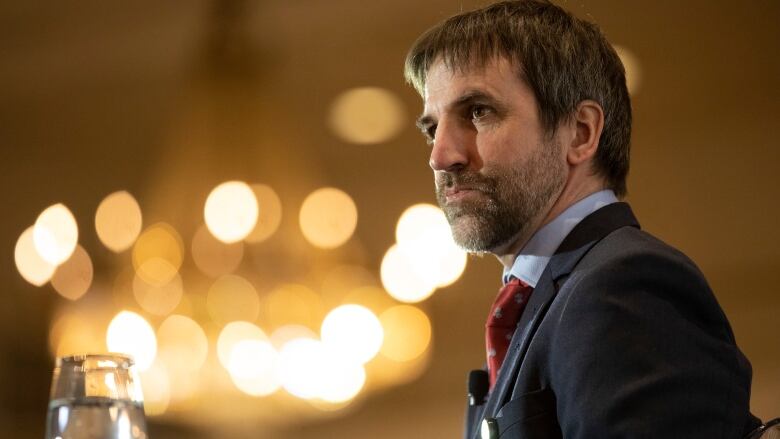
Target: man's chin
x,y
468,234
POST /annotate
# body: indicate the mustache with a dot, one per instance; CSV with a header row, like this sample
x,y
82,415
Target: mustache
x,y
464,179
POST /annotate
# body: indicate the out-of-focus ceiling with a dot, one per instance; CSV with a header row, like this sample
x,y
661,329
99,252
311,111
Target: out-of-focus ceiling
x,y
167,100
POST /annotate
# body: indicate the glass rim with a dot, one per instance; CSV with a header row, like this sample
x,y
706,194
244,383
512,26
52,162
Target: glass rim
x,y
108,356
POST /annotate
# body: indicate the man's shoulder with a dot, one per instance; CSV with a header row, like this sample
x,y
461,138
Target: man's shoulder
x,y
638,270
633,244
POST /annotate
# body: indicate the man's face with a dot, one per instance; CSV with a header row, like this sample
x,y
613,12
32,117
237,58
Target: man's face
x,y
496,172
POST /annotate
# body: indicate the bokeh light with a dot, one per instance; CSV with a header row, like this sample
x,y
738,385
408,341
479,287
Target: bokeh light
x,y
328,217
156,388
366,115
158,254
33,268
130,334
633,68
75,333
407,333
232,334
214,257
232,298
118,221
300,367
253,367
269,216
155,298
352,332
372,297
385,371
55,234
185,387
423,236
342,380
284,334
292,304
342,280
182,344
401,279
231,211
309,370
74,277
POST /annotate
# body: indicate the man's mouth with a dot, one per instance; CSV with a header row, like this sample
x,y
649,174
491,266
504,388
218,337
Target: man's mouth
x,y
458,193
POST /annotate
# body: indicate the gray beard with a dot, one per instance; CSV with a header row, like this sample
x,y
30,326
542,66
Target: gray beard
x,y
510,200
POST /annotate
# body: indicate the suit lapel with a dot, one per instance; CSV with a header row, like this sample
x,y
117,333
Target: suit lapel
x,y
584,236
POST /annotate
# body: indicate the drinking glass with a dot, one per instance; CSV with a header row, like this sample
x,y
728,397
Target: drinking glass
x,y
95,396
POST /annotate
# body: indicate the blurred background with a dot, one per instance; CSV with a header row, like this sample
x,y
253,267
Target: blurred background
x,y
233,191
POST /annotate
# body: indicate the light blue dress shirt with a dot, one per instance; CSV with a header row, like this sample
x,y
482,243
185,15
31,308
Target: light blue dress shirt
x,y
533,258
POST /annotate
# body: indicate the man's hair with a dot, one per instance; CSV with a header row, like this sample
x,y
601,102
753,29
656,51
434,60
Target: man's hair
x,y
563,59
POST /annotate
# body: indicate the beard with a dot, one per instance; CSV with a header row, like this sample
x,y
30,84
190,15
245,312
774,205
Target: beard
x,y
511,198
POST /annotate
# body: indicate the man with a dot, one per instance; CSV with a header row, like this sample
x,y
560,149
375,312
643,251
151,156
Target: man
x,y
601,331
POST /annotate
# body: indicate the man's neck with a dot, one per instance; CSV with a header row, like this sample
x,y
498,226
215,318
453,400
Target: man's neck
x,y
569,196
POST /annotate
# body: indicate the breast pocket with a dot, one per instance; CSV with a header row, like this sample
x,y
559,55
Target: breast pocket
x,y
530,415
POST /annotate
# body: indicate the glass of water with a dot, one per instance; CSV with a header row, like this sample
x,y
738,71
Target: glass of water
x,y
96,396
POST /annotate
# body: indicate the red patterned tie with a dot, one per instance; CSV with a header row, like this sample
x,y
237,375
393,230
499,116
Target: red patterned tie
x,y
502,321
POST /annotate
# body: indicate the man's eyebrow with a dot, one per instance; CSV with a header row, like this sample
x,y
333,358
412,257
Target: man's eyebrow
x,y
471,96
466,98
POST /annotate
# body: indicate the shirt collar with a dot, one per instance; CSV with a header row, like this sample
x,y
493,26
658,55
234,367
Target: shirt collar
x,y
533,258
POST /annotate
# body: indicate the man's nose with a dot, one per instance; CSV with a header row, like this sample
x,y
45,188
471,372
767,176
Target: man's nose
x,y
450,148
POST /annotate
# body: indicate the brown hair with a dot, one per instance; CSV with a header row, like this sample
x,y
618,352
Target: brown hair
x,y
563,59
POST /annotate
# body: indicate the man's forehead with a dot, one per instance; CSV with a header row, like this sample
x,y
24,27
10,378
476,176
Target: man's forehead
x,y
447,81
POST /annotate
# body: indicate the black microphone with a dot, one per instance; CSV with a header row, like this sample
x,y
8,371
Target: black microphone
x,y
478,387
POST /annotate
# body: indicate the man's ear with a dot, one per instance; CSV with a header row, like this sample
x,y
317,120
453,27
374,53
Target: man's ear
x,y
588,120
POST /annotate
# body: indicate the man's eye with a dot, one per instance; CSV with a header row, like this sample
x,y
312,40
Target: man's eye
x,y
430,133
479,111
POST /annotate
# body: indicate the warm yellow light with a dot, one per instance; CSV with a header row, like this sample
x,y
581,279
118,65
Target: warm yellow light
x,y
633,68
342,280
74,277
284,334
118,221
341,381
374,298
253,367
130,334
309,370
182,344
300,368
75,334
213,256
231,211
158,254
423,236
328,217
385,371
158,299
185,386
417,220
33,268
402,280
352,332
232,298
55,234
367,115
156,388
270,213
292,304
233,333
407,333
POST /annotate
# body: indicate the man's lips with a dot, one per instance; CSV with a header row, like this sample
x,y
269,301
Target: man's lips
x,y
459,192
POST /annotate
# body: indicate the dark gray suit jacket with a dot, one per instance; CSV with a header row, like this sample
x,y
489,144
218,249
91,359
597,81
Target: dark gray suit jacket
x,y
622,338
